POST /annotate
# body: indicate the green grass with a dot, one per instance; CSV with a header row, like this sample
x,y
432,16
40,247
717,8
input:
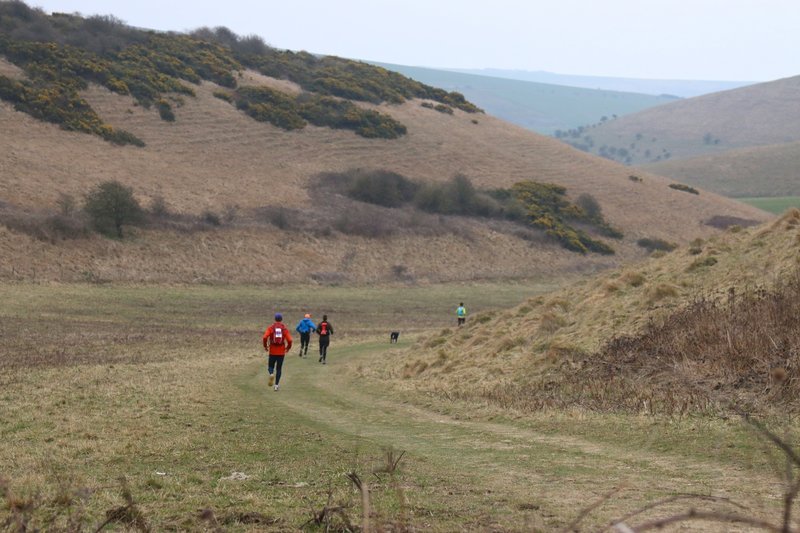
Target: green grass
x,y
166,387
777,204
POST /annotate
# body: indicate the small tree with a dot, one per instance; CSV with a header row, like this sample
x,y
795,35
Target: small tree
x,y
111,206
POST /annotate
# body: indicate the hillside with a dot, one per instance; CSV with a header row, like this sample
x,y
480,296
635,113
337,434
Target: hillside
x,y
541,107
554,351
757,115
744,172
681,88
239,199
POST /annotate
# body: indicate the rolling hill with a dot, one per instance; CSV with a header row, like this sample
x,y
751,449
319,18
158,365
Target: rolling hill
x,y
241,200
541,107
744,172
757,115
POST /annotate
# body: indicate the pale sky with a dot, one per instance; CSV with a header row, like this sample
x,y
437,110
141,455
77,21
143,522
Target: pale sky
x,y
753,40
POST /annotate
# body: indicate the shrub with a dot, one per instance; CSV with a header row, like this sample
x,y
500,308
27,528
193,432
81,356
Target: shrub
x,y
211,218
165,110
635,179
684,188
381,187
111,206
653,244
700,263
66,204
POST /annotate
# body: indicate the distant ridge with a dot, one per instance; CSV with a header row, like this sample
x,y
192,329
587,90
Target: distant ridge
x,y
681,88
541,107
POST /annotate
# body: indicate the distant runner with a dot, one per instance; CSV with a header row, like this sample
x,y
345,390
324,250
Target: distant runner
x,y
461,314
304,328
277,341
324,330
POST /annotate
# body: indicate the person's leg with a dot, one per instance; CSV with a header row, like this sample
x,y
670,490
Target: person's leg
x,y
324,350
271,369
305,339
278,368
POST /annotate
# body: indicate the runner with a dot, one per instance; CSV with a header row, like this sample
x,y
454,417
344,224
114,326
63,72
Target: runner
x,y
304,328
277,341
461,314
324,330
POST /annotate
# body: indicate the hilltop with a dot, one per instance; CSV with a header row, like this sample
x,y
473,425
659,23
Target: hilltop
x,y
699,328
224,140
542,107
757,115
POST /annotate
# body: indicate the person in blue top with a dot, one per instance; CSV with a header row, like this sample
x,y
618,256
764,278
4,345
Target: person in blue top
x,y
304,328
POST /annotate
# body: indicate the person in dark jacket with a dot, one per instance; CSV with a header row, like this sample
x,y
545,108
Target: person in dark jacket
x,y
324,330
304,328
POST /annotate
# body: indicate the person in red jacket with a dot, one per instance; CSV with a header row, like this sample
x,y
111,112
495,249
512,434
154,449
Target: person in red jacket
x,y
277,341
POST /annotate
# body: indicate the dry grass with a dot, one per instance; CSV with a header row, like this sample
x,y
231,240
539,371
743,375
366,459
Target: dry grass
x,y
562,329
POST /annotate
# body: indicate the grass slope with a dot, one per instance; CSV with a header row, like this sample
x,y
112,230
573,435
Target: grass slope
x,y
541,107
548,338
755,171
166,387
757,115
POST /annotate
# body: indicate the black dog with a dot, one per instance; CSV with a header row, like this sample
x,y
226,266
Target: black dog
x,y
393,336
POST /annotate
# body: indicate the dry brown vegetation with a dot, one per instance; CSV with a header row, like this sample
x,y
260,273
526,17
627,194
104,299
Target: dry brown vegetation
x,y
214,157
710,326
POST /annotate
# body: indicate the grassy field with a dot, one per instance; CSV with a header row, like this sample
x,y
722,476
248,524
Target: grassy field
x,y
147,407
776,205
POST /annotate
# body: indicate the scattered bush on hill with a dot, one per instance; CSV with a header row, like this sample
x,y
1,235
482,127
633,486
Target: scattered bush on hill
x,y
62,53
653,244
111,206
547,208
728,221
47,227
290,113
543,206
684,188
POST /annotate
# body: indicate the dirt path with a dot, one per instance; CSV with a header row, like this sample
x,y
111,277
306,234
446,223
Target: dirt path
x,y
550,477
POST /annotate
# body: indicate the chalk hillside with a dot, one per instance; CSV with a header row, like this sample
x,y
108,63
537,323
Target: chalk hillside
x,y
213,164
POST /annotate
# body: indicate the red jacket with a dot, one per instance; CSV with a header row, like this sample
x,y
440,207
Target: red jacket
x,y
277,349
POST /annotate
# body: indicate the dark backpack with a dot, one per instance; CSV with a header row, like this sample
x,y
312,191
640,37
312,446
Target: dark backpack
x,y
323,328
277,335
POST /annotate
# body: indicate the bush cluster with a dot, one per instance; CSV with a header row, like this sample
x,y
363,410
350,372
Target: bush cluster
x,y
653,244
541,205
547,208
684,188
290,113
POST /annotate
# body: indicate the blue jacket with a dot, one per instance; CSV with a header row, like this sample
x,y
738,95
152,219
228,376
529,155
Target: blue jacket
x,y
305,326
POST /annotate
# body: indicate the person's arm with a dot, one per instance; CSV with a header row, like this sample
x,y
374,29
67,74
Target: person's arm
x,y
288,341
330,328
